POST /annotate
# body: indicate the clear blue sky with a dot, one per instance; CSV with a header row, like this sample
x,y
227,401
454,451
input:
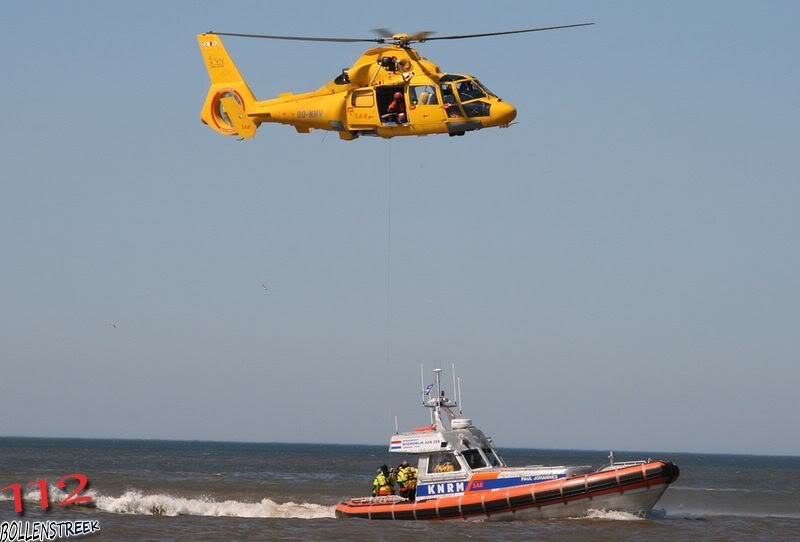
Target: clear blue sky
x,y
620,269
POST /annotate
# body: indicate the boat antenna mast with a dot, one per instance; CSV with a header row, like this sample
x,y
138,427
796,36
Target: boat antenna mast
x,y
440,400
458,397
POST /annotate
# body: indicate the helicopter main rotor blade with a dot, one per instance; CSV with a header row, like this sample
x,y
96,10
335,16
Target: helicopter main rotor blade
x,y
464,36
421,36
383,32
388,37
298,38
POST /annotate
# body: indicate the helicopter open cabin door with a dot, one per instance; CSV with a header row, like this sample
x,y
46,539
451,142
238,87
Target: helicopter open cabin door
x,y
362,110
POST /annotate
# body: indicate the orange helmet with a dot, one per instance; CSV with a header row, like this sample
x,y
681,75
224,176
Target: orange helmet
x,y
398,95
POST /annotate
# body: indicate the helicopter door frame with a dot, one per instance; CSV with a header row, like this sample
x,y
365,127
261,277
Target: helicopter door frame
x,y
384,94
452,105
424,104
362,109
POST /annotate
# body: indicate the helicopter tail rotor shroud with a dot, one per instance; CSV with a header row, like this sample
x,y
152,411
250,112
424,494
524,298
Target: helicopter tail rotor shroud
x,y
229,97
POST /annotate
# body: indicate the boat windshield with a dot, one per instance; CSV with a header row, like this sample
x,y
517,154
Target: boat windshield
x,y
492,457
474,459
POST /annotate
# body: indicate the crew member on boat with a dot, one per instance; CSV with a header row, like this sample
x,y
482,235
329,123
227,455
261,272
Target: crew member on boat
x,y
406,481
381,486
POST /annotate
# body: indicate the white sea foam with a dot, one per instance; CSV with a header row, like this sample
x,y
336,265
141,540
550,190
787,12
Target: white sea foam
x,y
31,494
612,515
135,502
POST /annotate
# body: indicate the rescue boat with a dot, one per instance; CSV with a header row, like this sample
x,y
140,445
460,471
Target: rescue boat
x,y
461,475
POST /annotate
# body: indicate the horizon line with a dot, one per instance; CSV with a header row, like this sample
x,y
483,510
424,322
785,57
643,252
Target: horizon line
x,y
215,441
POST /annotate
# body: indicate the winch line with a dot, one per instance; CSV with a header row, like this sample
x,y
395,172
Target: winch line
x,y
389,260
389,282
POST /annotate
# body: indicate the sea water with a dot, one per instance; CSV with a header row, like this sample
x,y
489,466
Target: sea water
x,y
153,490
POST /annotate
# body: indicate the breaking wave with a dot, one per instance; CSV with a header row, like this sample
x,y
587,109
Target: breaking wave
x,y
134,502
54,493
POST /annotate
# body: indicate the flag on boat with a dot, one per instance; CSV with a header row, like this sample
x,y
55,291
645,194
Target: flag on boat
x,y
428,389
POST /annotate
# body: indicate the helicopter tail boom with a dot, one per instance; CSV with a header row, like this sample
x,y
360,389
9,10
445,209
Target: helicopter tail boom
x,y
229,98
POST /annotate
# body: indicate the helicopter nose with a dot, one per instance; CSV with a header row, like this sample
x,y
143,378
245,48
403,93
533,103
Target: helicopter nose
x,y
503,113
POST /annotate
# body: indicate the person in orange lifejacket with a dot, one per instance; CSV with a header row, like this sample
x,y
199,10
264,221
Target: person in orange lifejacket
x,y
381,486
398,108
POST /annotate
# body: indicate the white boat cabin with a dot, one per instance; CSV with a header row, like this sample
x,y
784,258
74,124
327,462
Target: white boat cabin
x,y
454,456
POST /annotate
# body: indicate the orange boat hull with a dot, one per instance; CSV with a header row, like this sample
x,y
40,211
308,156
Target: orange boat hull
x,y
633,489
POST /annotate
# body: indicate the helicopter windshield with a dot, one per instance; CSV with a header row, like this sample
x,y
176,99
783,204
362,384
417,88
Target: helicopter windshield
x,y
469,90
486,90
467,87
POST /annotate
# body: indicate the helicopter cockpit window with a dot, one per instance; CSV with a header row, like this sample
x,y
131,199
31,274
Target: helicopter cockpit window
x,y
449,101
469,90
447,93
476,109
451,77
486,90
423,95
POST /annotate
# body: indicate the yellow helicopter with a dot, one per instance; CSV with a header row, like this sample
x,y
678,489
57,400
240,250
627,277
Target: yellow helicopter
x,y
389,91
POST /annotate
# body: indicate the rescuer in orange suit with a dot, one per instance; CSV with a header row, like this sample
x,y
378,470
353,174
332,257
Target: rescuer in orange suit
x,y
398,108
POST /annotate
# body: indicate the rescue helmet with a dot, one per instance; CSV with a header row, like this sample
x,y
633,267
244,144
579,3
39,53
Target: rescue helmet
x,y
398,95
